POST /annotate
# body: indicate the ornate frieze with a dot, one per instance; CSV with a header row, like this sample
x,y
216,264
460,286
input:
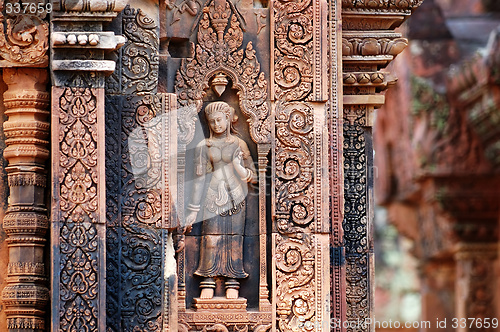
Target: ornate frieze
x,y
27,131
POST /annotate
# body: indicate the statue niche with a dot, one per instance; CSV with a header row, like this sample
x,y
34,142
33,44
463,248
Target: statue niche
x,y
222,175
223,167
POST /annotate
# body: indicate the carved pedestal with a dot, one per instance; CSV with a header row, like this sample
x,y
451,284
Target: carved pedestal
x,y
221,303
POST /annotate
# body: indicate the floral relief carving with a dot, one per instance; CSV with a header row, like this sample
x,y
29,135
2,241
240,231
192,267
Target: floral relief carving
x,y
295,253
219,51
299,77
357,290
381,44
79,271
355,182
78,143
135,235
24,39
79,239
295,279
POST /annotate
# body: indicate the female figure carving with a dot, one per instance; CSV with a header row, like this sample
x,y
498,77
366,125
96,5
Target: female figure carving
x,y
223,160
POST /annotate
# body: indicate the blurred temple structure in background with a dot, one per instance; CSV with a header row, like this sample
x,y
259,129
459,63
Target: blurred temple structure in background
x,y
437,152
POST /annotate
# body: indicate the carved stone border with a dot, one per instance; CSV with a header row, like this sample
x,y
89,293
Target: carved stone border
x,y
301,224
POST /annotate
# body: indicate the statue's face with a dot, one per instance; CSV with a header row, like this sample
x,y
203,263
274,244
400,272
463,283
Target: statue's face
x,y
217,122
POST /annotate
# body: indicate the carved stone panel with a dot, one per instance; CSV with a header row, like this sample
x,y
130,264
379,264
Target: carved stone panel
x,y
78,209
140,147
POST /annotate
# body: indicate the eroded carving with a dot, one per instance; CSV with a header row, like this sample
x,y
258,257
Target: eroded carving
x,y
24,39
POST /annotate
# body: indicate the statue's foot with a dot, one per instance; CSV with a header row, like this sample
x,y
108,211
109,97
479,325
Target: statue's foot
x,y
207,293
231,293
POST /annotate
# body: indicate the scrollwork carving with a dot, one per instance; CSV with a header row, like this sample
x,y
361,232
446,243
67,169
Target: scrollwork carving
x,y
295,279
357,289
293,35
220,38
294,166
136,233
25,40
140,59
355,181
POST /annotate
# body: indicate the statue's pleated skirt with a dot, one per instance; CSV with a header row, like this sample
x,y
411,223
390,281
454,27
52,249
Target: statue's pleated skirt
x,y
221,248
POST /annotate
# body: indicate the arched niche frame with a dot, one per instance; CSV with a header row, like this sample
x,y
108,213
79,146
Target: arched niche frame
x,y
218,54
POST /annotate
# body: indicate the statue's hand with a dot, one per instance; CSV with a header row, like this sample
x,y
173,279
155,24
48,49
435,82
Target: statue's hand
x,y
238,158
190,219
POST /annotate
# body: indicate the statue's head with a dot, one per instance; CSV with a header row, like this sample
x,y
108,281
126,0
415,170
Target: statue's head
x,y
217,109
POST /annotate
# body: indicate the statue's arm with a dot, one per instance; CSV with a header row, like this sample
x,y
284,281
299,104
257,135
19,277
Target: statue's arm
x,y
201,164
250,174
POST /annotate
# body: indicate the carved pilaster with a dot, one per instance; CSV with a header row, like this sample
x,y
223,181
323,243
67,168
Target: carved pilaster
x,y
78,225
368,45
301,224
24,43
27,130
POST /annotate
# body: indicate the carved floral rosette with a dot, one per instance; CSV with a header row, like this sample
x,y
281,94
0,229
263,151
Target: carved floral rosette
x,y
218,50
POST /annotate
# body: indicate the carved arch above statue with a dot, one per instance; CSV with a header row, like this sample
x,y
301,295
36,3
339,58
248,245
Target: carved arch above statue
x,y
217,57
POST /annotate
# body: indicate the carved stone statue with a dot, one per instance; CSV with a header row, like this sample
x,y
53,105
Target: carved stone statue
x,y
222,161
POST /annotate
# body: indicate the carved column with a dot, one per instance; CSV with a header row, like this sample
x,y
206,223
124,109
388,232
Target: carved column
x,y
23,43
368,45
78,224
26,222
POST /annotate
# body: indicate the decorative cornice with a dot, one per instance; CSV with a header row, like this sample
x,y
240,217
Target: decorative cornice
x,y
382,6
93,6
